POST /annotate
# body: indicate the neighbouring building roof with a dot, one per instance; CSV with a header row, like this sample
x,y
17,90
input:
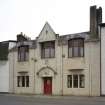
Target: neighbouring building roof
x,y
4,49
102,24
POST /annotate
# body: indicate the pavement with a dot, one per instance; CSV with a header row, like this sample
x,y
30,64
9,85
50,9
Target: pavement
x,y
16,99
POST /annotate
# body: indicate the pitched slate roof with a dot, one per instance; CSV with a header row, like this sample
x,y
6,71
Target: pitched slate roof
x,y
4,49
84,35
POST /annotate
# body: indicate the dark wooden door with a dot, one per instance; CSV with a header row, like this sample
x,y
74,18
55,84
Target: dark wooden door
x,y
47,85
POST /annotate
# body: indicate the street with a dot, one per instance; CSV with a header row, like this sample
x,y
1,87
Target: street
x,y
8,99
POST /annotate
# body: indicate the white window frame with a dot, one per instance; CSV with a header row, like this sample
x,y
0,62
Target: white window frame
x,y
72,76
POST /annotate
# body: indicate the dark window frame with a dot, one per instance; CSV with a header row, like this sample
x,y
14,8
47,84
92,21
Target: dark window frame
x,y
72,44
76,83
81,81
23,53
69,81
50,47
24,79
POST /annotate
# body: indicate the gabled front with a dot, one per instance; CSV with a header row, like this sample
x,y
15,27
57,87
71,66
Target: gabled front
x,y
47,34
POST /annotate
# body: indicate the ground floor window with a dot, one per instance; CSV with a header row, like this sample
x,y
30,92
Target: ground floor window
x,y
76,81
23,81
81,81
69,81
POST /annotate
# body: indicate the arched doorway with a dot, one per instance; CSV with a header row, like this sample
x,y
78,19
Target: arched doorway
x,y
47,74
47,85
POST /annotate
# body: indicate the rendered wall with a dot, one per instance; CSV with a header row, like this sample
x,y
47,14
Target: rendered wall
x,y
103,60
64,66
4,76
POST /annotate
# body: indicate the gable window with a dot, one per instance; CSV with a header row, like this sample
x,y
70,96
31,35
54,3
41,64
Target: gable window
x,y
23,53
76,81
23,80
76,47
48,49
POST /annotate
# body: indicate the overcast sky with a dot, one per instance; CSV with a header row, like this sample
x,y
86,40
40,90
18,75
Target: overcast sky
x,y
29,16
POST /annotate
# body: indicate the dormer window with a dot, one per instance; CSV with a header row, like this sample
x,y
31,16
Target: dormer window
x,y
76,47
48,49
23,53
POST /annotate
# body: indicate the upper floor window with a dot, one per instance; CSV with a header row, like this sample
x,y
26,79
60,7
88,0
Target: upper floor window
x,y
48,49
23,53
76,47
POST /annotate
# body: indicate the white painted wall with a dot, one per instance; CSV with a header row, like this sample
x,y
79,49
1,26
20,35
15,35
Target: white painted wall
x,y
90,65
103,60
4,72
4,76
11,45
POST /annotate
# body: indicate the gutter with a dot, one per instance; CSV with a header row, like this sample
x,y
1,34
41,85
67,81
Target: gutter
x,y
100,64
13,73
62,69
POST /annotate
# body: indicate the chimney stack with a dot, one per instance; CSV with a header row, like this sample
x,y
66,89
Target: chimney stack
x,y
21,37
95,20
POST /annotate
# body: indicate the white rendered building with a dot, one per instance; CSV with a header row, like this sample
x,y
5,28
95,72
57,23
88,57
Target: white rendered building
x,y
58,65
5,46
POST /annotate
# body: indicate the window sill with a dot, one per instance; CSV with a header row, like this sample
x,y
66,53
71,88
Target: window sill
x,y
75,88
23,61
22,87
76,57
48,58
